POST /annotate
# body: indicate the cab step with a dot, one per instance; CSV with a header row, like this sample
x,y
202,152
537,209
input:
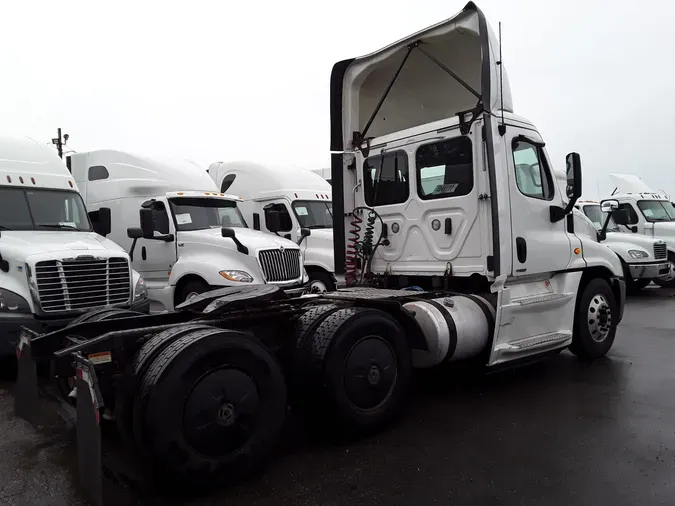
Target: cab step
x,y
540,298
542,340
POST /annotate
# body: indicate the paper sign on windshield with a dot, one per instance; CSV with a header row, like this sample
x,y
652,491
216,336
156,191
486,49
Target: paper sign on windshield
x,y
302,211
183,219
648,213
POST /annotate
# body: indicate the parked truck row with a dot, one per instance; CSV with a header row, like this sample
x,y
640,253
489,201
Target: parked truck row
x,y
450,230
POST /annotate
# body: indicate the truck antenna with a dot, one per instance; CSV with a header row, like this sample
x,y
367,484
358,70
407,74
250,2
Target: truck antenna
x,y
502,127
59,141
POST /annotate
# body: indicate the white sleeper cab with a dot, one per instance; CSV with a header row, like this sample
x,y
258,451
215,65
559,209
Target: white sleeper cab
x,y
436,199
301,199
646,212
192,238
53,265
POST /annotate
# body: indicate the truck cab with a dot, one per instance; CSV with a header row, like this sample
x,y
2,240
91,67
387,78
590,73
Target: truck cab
x,y
301,199
644,259
184,235
53,264
648,213
444,187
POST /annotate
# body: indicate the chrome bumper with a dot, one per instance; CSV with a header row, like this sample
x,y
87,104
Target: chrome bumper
x,y
649,271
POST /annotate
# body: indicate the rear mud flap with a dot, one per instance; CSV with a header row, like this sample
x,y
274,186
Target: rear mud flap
x,y
26,402
88,431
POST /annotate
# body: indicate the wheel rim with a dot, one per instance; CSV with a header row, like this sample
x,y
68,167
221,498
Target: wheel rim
x,y
370,372
599,318
191,296
317,286
221,412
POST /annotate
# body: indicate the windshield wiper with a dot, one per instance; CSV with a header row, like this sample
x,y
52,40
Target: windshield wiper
x,y
59,226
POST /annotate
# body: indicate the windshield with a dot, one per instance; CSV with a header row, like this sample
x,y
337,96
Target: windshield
x,y
656,210
595,214
197,213
314,213
35,209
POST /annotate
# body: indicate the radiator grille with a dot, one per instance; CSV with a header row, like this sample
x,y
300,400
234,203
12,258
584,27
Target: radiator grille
x,y
660,252
280,264
72,285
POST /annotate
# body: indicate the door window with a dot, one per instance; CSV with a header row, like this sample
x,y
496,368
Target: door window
x,y
445,169
632,215
160,218
533,176
284,216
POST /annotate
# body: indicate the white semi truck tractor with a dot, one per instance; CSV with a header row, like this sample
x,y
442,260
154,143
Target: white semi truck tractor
x,y
455,239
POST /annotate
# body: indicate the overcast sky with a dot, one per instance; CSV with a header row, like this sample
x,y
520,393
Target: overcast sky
x,y
220,80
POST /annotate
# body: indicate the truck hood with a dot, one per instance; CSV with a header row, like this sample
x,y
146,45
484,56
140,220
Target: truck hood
x,y
631,240
318,249
252,239
20,245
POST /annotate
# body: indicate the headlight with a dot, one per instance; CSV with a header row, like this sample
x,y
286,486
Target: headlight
x,y
10,302
238,276
140,290
636,253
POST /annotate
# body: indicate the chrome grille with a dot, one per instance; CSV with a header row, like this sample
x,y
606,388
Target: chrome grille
x,y
84,283
660,252
280,264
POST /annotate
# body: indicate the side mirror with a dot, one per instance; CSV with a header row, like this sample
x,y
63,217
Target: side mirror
x,y
134,233
227,232
609,205
304,232
574,186
147,227
104,225
272,221
620,216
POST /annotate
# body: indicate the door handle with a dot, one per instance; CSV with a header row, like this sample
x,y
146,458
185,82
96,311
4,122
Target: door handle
x,y
144,254
448,226
521,249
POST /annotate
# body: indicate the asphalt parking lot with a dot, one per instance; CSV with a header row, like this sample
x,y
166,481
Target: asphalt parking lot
x,y
559,432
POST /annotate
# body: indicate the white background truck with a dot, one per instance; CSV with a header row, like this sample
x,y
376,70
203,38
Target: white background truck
x,y
644,259
301,199
53,266
192,238
648,213
436,198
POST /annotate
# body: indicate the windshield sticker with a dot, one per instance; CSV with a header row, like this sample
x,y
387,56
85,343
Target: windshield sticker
x,y
183,219
648,213
446,188
302,211
68,224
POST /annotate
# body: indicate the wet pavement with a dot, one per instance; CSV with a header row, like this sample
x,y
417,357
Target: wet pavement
x,y
559,432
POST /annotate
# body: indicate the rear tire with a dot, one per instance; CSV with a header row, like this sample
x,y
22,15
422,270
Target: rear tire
x,y
360,369
595,322
214,403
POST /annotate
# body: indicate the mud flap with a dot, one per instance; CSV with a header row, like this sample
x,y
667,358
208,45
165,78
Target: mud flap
x,y
88,430
26,402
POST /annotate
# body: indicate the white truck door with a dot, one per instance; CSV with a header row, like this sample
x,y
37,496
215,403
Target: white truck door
x,y
154,258
539,245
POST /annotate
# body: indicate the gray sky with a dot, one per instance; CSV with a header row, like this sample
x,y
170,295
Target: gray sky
x,y
220,80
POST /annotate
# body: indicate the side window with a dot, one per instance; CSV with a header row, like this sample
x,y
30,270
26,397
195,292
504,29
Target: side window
x,y
445,169
533,176
98,172
284,216
227,182
160,218
386,179
632,215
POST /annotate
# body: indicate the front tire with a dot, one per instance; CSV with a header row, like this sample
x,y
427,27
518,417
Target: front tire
x,y
320,282
595,322
192,289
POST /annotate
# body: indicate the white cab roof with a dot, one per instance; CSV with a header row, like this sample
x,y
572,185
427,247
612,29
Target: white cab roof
x,y
139,175
253,180
36,163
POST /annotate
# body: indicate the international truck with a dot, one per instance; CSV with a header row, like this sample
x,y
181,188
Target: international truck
x,y
648,213
53,264
457,244
302,201
188,237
